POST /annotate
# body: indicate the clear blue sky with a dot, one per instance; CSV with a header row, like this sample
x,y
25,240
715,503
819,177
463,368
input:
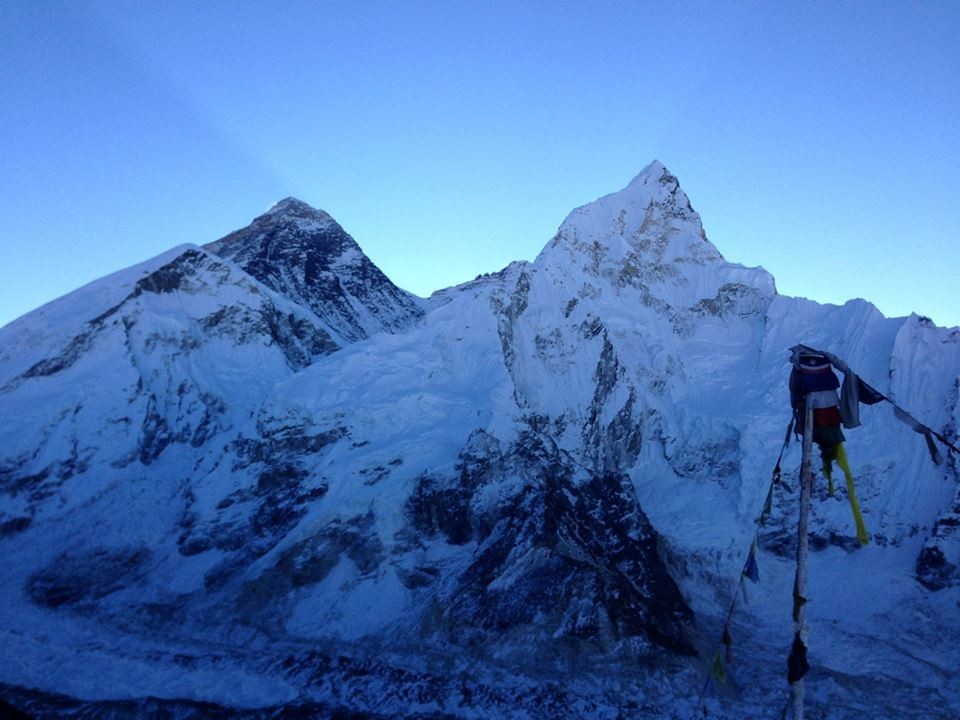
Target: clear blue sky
x,y
820,140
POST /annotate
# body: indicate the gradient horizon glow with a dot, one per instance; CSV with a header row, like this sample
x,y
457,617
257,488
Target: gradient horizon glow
x,y
820,141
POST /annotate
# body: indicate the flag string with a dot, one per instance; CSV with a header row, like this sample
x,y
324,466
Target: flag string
x,y
723,655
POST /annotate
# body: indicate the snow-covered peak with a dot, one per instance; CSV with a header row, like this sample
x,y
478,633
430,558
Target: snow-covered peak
x,y
646,236
291,203
291,222
291,208
305,255
656,184
651,174
651,215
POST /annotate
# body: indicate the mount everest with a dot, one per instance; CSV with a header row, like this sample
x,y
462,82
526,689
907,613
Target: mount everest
x,y
258,476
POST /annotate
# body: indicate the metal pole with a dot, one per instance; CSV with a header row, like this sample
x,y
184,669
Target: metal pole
x,y
806,486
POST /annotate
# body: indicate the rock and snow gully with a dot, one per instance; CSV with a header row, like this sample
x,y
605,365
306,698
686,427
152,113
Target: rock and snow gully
x,y
257,477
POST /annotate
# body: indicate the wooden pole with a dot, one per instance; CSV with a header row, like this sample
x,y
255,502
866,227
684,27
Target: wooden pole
x,y
806,486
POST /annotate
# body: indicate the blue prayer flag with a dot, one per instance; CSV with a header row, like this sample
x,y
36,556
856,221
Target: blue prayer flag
x,y
751,569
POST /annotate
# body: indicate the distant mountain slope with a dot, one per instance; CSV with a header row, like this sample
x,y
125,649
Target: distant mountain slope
x,y
103,381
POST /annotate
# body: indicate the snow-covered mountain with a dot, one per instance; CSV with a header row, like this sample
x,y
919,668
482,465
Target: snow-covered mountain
x,y
304,255
259,475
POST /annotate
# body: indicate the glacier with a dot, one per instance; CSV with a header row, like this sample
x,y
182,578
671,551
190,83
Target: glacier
x,y
256,477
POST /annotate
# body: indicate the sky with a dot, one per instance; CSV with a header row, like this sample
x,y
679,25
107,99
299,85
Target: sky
x,y
820,140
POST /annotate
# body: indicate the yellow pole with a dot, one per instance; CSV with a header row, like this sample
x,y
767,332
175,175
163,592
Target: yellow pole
x,y
862,535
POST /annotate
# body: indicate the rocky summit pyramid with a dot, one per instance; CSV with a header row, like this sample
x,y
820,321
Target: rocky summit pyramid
x,y
258,478
304,255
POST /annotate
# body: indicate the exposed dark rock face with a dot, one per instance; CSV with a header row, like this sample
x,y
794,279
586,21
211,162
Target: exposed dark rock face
x,y
84,576
934,569
572,555
303,254
732,299
251,519
435,508
615,444
508,310
25,704
309,562
284,440
14,525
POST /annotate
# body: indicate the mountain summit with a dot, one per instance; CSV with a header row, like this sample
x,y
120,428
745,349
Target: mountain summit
x,y
258,475
304,254
292,207
651,218
648,242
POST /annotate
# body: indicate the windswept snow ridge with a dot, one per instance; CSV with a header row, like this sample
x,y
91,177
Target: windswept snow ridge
x,y
257,475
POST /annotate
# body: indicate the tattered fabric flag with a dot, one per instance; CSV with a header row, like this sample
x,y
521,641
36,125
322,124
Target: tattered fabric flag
x,y
797,665
798,602
751,569
856,391
853,392
867,395
717,670
933,449
709,690
728,645
775,477
768,503
918,427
